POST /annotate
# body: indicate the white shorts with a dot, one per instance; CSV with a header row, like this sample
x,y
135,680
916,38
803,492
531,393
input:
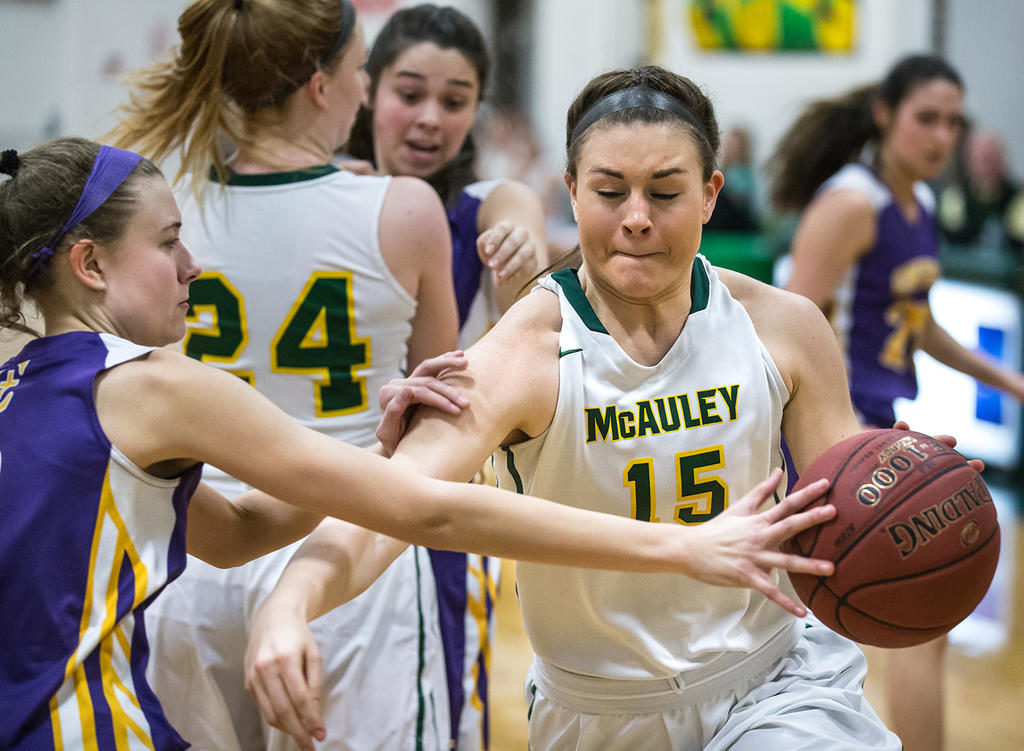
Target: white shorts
x,y
383,674
801,691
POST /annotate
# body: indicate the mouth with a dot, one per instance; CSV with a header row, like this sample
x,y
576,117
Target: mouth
x,y
422,149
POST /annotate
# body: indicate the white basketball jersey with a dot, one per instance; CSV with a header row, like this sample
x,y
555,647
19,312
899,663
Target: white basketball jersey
x,y
672,443
295,291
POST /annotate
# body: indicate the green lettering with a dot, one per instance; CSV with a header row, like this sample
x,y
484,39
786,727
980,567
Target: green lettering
x,y
668,425
706,400
730,395
688,421
645,419
627,424
601,422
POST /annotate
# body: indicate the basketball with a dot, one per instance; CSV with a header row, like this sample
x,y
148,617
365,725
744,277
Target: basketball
x,y
915,539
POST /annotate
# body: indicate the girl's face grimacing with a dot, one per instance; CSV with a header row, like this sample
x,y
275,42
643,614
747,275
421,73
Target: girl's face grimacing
x,y
640,200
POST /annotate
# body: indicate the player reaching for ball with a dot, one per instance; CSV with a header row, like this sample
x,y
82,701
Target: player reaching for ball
x,y
648,384
102,436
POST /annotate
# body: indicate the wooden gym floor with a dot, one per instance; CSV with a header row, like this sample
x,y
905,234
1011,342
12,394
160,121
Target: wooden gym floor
x,y
985,688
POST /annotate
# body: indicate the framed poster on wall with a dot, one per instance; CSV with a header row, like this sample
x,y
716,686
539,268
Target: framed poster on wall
x,y
774,25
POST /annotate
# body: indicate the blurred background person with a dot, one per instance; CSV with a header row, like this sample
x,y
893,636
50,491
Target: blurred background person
x,y
866,251
984,207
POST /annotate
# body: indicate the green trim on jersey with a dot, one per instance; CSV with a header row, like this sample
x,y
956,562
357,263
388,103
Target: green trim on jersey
x,y
563,352
700,295
510,462
570,284
421,658
700,287
277,178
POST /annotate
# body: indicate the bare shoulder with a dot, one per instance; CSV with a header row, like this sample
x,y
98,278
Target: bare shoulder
x,y
510,191
844,212
791,326
768,307
409,195
537,314
412,214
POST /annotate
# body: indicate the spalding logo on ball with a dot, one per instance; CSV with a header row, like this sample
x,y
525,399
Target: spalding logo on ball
x,y
915,539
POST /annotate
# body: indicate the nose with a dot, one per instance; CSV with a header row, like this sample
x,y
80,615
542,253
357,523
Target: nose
x,y
189,268
429,115
638,216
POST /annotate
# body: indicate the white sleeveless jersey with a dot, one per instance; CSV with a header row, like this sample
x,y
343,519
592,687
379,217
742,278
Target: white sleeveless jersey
x,y
296,298
672,443
295,291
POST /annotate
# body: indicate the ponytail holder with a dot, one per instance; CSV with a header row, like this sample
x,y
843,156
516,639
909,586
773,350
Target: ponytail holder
x,y
239,5
9,162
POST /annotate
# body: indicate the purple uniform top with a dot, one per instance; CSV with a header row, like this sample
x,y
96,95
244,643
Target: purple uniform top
x,y
881,305
88,539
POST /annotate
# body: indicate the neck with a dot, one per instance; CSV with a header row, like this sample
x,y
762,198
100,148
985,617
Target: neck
x,y
273,152
645,328
898,179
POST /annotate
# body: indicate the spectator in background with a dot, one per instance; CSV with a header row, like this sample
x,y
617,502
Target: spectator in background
x,y
984,208
737,206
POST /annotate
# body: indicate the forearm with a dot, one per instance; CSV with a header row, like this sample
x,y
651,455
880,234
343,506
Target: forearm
x,y
499,523
938,343
227,533
335,564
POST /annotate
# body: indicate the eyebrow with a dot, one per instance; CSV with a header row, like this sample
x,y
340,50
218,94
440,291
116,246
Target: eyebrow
x,y
659,175
421,77
171,225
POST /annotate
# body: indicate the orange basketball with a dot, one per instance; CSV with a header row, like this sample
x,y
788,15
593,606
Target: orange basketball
x,y
915,540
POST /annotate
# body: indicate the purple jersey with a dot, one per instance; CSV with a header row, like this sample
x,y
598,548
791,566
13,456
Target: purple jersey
x,y
87,540
881,305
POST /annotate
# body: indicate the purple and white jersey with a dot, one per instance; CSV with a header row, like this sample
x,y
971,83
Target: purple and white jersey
x,y
87,540
474,293
881,305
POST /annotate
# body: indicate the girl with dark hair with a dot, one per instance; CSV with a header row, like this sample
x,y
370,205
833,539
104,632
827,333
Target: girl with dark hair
x,y
648,384
866,252
428,70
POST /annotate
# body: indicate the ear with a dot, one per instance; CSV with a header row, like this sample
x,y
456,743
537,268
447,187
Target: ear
x,y
881,113
571,185
711,190
316,86
85,262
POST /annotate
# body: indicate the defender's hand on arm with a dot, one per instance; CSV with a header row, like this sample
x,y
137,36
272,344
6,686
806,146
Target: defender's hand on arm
x,y
422,387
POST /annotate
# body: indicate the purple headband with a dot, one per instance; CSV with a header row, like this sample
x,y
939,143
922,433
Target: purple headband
x,y
111,168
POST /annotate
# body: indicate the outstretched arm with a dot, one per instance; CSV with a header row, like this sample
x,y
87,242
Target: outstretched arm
x,y
938,343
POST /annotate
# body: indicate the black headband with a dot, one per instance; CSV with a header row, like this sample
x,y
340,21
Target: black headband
x,y
633,98
348,22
